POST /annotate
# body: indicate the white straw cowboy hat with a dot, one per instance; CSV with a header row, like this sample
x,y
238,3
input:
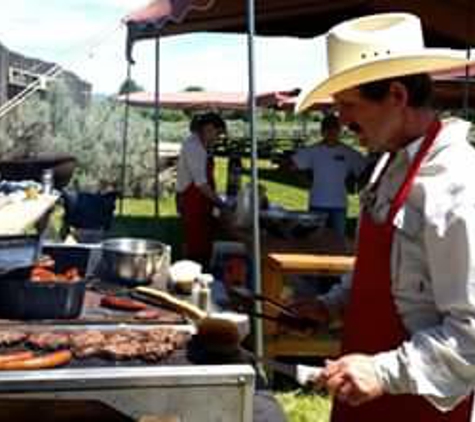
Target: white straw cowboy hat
x,y
377,47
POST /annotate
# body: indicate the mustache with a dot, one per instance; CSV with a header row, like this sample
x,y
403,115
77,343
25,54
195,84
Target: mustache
x,y
355,127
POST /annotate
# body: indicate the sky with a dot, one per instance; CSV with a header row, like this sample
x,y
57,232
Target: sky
x,y
86,36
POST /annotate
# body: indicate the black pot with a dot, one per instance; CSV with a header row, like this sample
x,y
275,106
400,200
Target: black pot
x,y
32,168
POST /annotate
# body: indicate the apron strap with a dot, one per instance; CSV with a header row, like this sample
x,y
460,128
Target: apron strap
x,y
406,186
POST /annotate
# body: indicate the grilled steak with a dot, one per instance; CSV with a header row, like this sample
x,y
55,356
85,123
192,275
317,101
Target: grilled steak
x,y
168,336
87,343
149,345
49,340
153,351
121,348
11,337
161,343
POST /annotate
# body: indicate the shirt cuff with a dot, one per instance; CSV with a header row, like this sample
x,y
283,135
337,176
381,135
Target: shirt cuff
x,y
387,367
392,377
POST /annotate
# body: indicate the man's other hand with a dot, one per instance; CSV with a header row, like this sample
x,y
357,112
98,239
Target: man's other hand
x,y
352,379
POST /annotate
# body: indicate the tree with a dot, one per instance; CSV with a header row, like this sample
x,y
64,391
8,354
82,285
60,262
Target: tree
x,y
129,86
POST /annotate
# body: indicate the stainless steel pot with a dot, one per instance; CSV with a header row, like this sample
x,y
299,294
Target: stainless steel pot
x,y
133,261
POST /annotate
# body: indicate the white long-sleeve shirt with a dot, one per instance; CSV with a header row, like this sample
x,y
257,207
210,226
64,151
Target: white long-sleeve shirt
x,y
192,163
432,270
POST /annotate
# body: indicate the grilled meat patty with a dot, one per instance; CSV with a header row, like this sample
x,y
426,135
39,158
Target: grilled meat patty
x,y
87,343
49,340
122,347
150,345
12,337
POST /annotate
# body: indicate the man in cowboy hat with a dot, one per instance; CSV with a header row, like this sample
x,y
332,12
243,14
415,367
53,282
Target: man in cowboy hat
x,y
409,327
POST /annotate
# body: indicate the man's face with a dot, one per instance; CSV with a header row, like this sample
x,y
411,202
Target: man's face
x,y
209,134
378,124
332,135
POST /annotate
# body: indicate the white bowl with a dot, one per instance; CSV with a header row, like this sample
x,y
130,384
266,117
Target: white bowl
x,y
183,273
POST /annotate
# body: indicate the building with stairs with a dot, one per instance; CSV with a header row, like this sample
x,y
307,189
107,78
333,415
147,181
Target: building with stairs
x,y
17,71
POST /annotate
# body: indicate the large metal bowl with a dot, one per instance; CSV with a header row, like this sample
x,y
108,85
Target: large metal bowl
x,y
132,261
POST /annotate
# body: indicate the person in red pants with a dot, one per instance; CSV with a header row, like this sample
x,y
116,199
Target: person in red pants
x,y
196,188
408,351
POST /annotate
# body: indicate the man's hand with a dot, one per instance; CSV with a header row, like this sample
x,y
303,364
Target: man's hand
x,y
352,379
312,309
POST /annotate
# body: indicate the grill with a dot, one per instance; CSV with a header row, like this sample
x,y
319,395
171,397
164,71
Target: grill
x,y
192,354
178,385
190,385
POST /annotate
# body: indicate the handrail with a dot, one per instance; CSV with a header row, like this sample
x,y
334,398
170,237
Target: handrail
x,y
18,99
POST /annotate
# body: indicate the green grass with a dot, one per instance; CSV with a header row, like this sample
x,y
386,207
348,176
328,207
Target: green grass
x,y
301,407
281,188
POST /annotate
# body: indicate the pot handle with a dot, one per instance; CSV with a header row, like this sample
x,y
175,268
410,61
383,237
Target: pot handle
x,y
163,265
166,257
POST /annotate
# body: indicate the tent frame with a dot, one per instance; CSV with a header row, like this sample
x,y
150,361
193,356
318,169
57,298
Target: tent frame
x,y
251,31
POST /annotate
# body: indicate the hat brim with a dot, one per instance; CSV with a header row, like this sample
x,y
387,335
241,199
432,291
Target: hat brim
x,y
424,62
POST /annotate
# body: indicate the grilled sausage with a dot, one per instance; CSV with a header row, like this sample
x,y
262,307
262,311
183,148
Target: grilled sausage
x,y
149,314
50,360
122,304
15,356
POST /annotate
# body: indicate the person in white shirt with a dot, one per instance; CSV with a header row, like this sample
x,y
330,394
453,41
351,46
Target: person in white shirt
x,y
331,163
408,351
196,188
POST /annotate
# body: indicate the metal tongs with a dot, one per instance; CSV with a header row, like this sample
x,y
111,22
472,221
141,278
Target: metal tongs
x,y
243,300
304,375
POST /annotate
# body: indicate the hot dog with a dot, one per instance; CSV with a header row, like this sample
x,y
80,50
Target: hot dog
x,y
50,360
46,274
148,314
122,304
15,356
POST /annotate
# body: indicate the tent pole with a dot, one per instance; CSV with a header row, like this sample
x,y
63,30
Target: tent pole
x,y
259,345
157,127
304,121
125,136
466,86
273,128
466,89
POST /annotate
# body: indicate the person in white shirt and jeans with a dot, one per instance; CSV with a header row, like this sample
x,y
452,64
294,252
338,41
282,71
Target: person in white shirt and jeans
x,y
331,164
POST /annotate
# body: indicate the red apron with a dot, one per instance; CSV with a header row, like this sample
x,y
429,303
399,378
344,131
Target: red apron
x,y
198,220
372,323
